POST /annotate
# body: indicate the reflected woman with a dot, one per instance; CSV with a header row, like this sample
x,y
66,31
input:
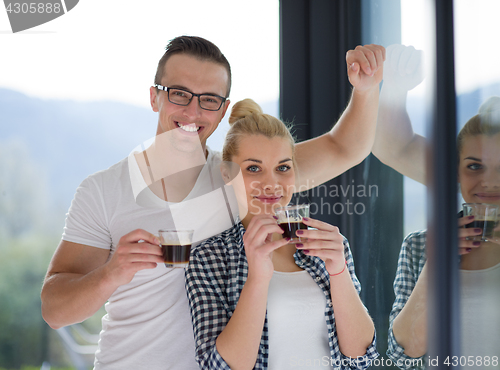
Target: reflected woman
x,y
478,145
258,301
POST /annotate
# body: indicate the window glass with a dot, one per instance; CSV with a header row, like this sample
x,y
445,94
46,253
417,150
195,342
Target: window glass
x,y
418,107
479,182
478,115
406,29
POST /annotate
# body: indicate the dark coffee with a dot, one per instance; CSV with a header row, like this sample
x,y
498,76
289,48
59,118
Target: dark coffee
x,y
176,254
486,225
290,229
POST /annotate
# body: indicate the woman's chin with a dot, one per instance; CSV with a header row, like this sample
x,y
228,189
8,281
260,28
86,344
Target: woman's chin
x,y
265,210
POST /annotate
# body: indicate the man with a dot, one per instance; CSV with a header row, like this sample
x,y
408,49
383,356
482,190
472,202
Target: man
x,y
99,259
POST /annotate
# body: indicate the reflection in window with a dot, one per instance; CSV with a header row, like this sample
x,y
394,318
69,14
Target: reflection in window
x,y
478,91
479,182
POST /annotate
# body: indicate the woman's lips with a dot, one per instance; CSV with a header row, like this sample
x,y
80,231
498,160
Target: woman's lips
x,y
489,196
269,200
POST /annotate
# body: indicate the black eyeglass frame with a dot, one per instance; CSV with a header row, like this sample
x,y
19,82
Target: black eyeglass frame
x,y
167,89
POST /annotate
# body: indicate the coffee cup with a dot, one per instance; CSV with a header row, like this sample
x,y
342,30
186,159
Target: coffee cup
x,y
485,218
290,220
176,246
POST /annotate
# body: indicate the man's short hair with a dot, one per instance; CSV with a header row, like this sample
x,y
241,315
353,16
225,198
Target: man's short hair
x,y
197,47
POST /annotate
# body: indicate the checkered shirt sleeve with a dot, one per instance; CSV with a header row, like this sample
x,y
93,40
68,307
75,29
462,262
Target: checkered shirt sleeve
x,y
411,261
365,361
215,276
206,277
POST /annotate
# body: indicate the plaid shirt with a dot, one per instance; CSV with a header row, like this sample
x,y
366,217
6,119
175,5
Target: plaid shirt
x,y
215,276
411,261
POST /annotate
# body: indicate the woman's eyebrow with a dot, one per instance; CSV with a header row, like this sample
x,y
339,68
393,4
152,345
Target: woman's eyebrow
x,y
252,160
259,161
474,159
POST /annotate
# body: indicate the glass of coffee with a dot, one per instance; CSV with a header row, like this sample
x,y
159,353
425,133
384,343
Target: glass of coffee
x,y
485,218
290,220
176,246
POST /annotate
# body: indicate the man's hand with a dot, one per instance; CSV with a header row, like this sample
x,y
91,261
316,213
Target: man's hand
x,y
137,250
365,66
81,278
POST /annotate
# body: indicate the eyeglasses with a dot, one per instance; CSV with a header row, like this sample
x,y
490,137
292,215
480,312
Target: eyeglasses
x,y
182,97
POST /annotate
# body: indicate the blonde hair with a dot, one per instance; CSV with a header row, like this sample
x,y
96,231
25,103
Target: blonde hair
x,y
486,122
247,118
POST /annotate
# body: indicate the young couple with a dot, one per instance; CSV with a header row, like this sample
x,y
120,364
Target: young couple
x,y
109,253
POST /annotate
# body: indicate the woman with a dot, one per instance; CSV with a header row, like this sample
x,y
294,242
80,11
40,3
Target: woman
x,y
478,145
258,301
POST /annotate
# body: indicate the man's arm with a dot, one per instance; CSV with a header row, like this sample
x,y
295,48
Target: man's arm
x,y
80,278
351,139
396,145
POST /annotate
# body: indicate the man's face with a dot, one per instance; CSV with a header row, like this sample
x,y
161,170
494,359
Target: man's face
x,y
189,125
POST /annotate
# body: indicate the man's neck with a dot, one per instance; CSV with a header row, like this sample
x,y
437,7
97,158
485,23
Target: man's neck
x,y
170,173
160,161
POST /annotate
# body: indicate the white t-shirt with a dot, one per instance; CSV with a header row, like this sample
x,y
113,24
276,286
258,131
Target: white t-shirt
x,y
148,323
298,336
480,311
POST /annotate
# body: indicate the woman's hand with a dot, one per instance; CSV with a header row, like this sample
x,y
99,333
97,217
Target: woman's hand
x,y
259,247
325,243
465,246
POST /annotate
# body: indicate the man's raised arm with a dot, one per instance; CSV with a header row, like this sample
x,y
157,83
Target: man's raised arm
x,y
351,139
396,145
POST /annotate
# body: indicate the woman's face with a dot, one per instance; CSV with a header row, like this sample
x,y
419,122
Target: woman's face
x,y
268,173
479,169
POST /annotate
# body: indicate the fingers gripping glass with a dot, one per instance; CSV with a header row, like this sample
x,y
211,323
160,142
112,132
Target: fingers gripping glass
x,y
182,97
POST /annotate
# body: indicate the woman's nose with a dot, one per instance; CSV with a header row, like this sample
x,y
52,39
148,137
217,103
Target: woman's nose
x,y
269,186
491,179
270,183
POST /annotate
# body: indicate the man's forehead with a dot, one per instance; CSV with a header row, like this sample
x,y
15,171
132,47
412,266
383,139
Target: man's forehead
x,y
183,70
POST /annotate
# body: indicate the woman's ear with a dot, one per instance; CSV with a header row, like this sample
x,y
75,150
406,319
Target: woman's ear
x,y
229,171
225,172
